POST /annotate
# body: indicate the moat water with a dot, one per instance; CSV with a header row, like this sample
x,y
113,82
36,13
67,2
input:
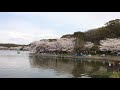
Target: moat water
x,y
24,65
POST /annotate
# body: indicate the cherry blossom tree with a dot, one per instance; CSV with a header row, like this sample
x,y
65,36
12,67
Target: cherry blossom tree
x,y
62,44
110,44
89,45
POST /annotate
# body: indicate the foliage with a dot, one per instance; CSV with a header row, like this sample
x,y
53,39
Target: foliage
x,y
107,37
100,74
95,48
79,35
58,46
115,75
110,44
11,45
67,36
52,40
111,29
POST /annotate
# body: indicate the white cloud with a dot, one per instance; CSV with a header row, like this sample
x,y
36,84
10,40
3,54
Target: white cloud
x,y
88,20
19,35
24,31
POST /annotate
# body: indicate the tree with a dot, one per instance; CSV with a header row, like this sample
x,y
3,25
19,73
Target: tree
x,y
79,41
59,45
110,44
110,30
113,22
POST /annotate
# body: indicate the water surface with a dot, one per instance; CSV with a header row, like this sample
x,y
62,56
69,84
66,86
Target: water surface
x,y
23,65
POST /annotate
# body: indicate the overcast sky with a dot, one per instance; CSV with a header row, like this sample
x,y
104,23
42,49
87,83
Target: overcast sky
x,y
25,27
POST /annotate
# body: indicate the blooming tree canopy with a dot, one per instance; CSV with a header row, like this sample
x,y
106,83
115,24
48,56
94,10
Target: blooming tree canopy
x,y
89,45
110,44
62,44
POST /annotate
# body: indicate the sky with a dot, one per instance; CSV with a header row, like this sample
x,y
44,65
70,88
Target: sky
x,y
26,27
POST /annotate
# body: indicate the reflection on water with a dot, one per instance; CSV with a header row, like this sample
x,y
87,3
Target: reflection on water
x,y
24,65
76,68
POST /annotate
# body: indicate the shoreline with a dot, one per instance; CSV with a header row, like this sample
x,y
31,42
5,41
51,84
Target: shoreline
x,y
111,58
12,50
95,57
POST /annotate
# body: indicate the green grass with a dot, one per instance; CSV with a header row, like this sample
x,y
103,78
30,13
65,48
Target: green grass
x,y
99,74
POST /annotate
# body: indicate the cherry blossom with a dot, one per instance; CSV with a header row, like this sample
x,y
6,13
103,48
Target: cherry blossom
x,y
62,44
110,44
